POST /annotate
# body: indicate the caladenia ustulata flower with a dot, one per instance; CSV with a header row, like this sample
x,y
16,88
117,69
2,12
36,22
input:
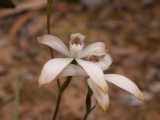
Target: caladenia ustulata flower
x,y
75,61
89,62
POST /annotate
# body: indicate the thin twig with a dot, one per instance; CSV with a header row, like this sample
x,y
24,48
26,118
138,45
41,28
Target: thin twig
x,y
61,91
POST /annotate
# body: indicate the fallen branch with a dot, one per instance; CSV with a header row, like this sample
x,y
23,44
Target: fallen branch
x,y
29,5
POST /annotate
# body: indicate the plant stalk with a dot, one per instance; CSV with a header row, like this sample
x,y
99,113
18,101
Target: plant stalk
x,y
66,83
49,14
61,91
89,107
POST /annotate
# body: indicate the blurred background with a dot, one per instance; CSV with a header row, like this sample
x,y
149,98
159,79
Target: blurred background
x,y
130,29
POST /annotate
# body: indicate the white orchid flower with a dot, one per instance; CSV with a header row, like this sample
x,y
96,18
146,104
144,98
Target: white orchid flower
x,y
63,67
91,62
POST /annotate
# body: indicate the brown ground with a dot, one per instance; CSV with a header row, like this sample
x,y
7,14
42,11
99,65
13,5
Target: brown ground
x,y
130,29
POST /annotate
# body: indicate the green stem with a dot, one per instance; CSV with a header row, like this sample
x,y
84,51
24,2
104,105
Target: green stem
x,y
17,100
61,91
89,107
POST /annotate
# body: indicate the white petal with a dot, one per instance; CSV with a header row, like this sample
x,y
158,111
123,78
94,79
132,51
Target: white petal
x,y
125,84
94,72
55,43
73,70
101,97
95,49
105,62
52,69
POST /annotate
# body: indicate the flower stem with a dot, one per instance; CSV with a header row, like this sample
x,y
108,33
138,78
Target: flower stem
x,y
66,83
89,108
61,91
87,113
49,13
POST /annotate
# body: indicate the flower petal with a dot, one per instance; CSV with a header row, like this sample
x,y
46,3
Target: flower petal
x,y
94,72
101,97
124,83
55,43
95,49
52,69
105,62
73,70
